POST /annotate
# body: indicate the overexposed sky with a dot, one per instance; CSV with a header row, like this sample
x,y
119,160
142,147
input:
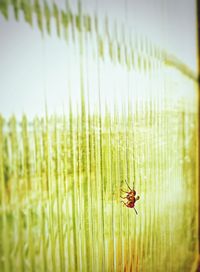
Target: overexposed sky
x,y
34,68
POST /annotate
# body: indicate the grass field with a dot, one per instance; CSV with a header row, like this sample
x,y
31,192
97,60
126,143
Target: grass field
x,y
135,119
60,191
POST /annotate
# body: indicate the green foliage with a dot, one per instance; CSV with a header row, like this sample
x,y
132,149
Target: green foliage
x,y
60,191
87,22
111,50
119,53
16,7
65,19
47,13
57,18
101,47
78,22
38,11
26,7
4,8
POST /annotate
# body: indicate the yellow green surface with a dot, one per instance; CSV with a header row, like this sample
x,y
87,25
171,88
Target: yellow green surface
x,y
60,191
60,176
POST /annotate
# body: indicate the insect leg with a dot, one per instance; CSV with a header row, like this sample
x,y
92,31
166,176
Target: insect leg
x,y
128,185
124,191
123,197
135,210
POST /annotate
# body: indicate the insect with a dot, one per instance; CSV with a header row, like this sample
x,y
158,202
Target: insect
x,y
130,197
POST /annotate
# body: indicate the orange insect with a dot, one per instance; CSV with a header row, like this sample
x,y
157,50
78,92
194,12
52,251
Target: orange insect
x,y
131,198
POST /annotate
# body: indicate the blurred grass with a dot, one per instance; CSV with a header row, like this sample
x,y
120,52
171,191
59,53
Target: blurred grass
x,y
60,176
60,192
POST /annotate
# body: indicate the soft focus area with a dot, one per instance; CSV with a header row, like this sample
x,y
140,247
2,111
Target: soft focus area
x,y
94,94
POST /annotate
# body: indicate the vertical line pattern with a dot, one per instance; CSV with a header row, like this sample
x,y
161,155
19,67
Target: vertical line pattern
x,y
135,119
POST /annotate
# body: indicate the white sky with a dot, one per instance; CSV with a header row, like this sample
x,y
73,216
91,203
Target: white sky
x,y
32,68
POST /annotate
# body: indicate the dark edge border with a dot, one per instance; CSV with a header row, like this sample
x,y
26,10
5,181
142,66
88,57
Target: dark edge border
x,y
198,67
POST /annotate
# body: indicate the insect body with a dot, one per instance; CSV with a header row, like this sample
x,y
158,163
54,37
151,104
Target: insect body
x,y
130,197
